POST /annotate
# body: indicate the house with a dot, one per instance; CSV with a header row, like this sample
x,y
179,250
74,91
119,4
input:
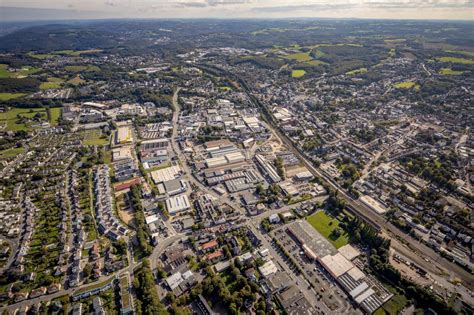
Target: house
x,y
209,246
215,257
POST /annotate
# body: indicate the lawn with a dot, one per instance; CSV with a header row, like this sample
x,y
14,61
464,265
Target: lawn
x,y
325,224
407,85
449,71
357,71
10,96
393,306
54,114
53,83
12,152
456,60
95,137
297,73
10,117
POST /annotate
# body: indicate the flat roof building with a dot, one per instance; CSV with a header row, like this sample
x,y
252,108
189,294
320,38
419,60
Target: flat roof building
x,y
177,204
166,174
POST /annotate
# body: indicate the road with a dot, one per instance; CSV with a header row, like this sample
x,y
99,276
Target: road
x,y
252,223
419,252
71,291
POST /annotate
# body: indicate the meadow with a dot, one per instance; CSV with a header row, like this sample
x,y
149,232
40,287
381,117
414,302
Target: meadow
x,y
325,225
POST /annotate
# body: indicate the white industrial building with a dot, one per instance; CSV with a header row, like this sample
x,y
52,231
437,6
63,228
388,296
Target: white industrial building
x,y
177,204
166,174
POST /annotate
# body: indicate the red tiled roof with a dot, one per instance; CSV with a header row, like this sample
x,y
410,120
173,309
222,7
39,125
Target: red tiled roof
x,y
209,245
126,185
217,254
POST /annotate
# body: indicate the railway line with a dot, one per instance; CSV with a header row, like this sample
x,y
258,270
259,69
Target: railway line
x,y
418,252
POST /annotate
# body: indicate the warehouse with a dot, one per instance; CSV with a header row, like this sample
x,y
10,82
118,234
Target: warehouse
x,y
289,189
354,281
177,204
166,174
231,158
267,169
154,144
336,265
172,187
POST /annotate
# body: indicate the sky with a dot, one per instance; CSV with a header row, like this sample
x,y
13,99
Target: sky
x,y
382,9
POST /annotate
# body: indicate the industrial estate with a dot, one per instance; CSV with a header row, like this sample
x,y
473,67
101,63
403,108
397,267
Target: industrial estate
x,y
308,167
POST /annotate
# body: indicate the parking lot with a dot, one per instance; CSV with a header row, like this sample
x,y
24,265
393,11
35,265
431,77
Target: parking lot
x,y
321,282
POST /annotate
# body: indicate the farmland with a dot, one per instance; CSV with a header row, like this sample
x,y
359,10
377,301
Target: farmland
x,y
449,71
407,85
456,60
12,152
82,68
17,119
54,114
10,96
6,72
57,53
299,57
53,83
297,73
76,80
357,71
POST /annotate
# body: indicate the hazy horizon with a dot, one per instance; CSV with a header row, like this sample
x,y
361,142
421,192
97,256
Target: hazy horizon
x,y
31,10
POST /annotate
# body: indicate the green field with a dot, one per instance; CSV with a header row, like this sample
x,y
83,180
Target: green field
x,y
95,137
299,57
54,114
53,83
325,224
10,117
57,53
357,71
297,73
314,63
12,152
449,71
456,60
461,52
21,73
10,96
393,306
82,68
407,85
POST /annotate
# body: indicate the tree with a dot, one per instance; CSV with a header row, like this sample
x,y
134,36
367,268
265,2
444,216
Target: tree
x,y
87,271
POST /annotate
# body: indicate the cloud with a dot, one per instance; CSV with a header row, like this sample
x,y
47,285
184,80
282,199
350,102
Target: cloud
x,y
431,9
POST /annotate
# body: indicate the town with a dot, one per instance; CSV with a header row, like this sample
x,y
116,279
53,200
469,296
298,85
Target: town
x,y
328,177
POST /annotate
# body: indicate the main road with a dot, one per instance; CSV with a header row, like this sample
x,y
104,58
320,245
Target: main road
x,y
412,248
